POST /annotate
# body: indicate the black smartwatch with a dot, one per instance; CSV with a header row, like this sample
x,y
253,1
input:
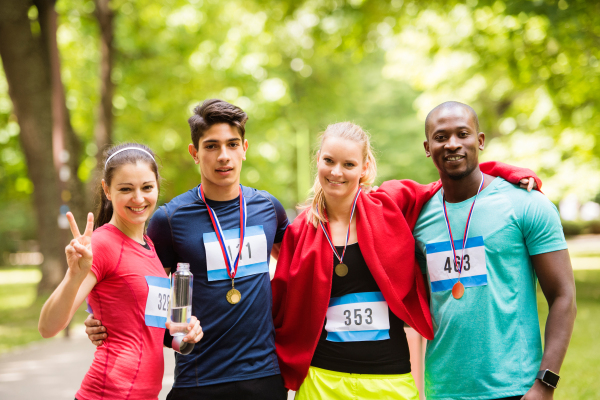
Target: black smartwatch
x,y
548,378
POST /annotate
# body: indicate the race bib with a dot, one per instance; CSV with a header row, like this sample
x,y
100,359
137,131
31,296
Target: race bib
x,y
358,317
253,259
158,301
443,274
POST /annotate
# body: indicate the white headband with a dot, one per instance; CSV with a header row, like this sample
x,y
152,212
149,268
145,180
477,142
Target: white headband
x,y
127,148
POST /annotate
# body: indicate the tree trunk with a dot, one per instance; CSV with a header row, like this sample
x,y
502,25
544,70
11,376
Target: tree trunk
x,y
66,144
27,70
104,123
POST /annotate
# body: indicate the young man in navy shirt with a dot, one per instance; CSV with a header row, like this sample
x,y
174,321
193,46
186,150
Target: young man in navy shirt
x,y
236,358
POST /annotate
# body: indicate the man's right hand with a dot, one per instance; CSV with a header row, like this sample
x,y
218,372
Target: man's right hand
x,y
95,331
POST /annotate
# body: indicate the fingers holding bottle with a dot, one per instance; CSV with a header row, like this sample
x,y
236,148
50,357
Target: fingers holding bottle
x,y
195,332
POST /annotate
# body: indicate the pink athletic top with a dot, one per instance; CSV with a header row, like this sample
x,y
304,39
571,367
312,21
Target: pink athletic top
x,y
129,365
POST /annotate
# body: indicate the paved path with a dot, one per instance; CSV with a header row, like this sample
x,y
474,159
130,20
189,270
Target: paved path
x,y
53,369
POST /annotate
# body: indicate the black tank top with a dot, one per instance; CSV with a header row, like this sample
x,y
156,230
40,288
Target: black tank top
x,y
388,356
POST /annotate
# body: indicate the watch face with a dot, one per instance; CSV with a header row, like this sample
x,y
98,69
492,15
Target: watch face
x,y
551,378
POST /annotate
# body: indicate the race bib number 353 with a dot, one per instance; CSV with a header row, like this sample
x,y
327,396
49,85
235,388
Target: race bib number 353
x,y
358,317
443,272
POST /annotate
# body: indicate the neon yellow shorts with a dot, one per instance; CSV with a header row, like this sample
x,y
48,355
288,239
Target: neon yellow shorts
x,y
324,384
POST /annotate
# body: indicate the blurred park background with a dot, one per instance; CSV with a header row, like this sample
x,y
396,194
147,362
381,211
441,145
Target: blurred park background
x,y
79,75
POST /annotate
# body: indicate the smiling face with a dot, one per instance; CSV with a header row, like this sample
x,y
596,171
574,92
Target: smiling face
x,y
453,141
340,165
220,153
133,192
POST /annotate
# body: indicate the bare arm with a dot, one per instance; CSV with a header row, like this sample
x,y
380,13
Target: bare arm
x,y
76,285
275,250
555,274
63,303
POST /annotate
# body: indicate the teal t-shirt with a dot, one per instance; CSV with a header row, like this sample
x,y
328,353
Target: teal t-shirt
x,y
487,344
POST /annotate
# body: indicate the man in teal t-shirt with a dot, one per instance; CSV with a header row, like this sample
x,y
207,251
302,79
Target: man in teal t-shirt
x,y
487,342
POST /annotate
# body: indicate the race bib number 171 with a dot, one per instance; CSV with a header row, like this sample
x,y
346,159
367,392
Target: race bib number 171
x,y
444,273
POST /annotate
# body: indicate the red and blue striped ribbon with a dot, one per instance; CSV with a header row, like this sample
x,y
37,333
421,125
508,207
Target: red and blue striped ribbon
x,y
231,268
465,237
347,234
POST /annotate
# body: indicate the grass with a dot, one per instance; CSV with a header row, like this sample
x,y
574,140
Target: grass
x,y
581,368
20,311
19,308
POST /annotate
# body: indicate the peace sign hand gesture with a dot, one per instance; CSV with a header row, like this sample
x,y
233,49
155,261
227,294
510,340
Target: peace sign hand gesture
x,y
79,251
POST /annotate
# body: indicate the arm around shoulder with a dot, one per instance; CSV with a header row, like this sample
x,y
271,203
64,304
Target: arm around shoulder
x,y
409,196
509,172
161,234
279,283
282,220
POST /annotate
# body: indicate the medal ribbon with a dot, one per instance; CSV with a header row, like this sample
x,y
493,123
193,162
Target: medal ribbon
x,y
466,227
231,268
347,235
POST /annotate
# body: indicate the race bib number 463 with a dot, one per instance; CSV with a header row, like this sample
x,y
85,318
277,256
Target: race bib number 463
x,y
443,272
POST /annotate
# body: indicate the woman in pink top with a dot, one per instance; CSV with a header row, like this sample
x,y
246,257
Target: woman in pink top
x,y
117,269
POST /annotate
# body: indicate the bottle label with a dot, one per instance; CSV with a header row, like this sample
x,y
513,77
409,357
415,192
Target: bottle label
x,y
253,259
158,301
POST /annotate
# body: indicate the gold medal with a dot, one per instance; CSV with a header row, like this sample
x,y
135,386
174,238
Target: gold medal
x,y
341,270
234,296
458,290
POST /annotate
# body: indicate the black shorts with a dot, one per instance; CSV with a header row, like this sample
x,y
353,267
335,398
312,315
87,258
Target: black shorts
x,y
268,388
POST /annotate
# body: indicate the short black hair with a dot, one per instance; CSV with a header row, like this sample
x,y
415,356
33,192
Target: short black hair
x,y
451,104
215,111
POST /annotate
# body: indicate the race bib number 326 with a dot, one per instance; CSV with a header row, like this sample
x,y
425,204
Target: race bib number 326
x,y
157,303
444,273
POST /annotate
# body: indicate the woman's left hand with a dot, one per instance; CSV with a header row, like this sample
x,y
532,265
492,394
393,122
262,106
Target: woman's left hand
x,y
195,332
528,183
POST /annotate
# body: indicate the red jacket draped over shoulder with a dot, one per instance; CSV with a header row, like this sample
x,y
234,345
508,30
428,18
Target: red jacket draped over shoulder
x,y
384,223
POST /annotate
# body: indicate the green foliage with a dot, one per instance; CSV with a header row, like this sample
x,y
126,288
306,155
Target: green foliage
x,y
529,68
572,228
16,219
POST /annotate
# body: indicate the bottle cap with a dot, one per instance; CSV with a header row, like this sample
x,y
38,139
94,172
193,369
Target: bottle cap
x,y
180,346
183,267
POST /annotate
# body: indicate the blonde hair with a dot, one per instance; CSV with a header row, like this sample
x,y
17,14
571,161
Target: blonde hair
x,y
349,131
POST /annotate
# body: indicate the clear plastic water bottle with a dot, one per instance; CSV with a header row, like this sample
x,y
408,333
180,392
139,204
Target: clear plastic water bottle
x,y
181,307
